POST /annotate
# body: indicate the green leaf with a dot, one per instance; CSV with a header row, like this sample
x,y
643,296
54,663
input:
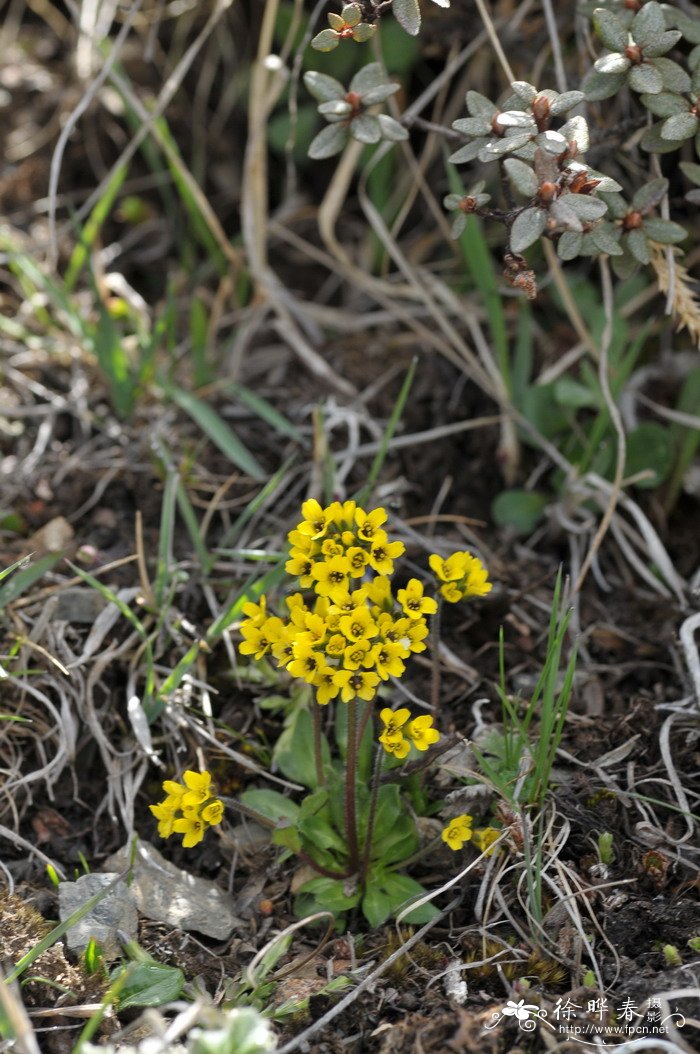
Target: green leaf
x,y
638,246
674,77
366,129
650,194
370,77
691,171
649,446
219,432
386,895
665,232
645,78
665,104
294,750
679,126
407,14
331,894
150,984
527,228
326,40
612,64
521,176
329,142
569,245
391,129
610,29
520,509
648,24
599,86
569,392
323,87
663,43
271,804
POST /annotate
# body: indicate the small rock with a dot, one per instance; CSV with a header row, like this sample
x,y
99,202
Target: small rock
x,y
164,893
79,606
116,911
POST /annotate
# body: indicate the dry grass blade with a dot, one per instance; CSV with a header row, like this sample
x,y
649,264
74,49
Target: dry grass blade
x,y
684,304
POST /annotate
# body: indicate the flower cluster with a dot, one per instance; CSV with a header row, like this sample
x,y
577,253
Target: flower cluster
x,y
400,732
356,634
459,831
188,809
462,575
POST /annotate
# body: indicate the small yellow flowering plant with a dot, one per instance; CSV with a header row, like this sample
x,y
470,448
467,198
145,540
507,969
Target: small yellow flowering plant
x,y
189,808
344,637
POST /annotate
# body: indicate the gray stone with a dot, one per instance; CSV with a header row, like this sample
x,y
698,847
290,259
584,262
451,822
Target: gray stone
x,y
116,911
164,893
79,606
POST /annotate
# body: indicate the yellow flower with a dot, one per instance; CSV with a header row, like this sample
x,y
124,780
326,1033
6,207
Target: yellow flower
x,y
393,721
386,659
332,547
355,654
302,542
342,516
369,525
314,631
412,601
165,815
359,625
416,634
175,792
256,613
336,645
356,683
258,642
381,557
458,831
212,812
421,733
283,647
463,576
198,788
331,576
484,838
300,565
451,569
359,559
324,683
397,746
379,593
192,827
316,520
305,662
345,602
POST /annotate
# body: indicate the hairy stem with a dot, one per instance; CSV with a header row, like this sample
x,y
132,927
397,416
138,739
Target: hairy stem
x,y
435,653
350,780
369,833
318,755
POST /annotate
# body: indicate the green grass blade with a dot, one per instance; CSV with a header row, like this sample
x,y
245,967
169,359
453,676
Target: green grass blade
x,y
219,432
376,467
165,537
264,410
25,578
92,228
252,590
250,510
